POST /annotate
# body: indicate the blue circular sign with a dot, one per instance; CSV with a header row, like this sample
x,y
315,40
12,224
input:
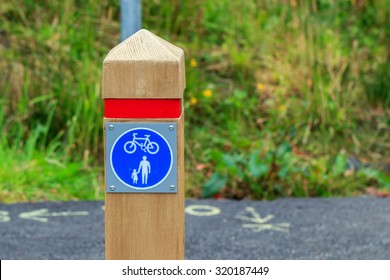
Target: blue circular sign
x,y
141,158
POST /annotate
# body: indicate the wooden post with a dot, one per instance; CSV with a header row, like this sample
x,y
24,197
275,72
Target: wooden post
x,y
143,84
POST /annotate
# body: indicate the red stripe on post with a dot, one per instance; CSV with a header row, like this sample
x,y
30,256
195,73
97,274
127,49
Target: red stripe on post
x,y
142,108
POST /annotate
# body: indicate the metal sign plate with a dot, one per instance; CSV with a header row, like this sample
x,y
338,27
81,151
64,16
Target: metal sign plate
x,y
141,157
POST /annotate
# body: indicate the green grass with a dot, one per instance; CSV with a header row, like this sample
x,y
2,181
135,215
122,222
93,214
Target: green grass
x,y
34,170
280,95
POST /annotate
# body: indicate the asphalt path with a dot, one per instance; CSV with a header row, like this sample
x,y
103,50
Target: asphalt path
x,y
337,228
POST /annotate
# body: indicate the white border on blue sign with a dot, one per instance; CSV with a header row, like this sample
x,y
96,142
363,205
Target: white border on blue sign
x,y
166,175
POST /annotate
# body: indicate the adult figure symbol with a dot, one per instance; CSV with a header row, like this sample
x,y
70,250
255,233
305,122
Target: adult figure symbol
x,y
144,166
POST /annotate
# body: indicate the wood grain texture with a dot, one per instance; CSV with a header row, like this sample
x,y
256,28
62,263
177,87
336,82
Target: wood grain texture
x,y
146,225
144,66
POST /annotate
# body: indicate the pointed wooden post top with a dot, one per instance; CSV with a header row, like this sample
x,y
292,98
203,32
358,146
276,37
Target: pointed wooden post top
x,y
144,66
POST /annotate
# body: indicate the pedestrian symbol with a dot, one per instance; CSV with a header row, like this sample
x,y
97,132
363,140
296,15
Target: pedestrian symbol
x,y
141,158
145,165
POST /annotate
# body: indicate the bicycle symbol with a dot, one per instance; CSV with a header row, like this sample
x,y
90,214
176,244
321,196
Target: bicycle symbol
x,y
146,146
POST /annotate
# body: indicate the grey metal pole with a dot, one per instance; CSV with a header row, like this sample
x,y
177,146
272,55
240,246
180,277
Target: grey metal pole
x,y
130,17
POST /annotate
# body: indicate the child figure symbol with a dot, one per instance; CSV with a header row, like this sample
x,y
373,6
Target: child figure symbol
x,y
134,176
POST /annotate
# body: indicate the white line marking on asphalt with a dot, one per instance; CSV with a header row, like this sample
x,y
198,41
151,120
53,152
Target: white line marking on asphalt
x,y
257,223
41,215
4,217
202,210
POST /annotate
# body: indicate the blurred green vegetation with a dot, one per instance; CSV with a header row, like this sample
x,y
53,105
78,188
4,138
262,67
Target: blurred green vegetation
x,y
283,98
